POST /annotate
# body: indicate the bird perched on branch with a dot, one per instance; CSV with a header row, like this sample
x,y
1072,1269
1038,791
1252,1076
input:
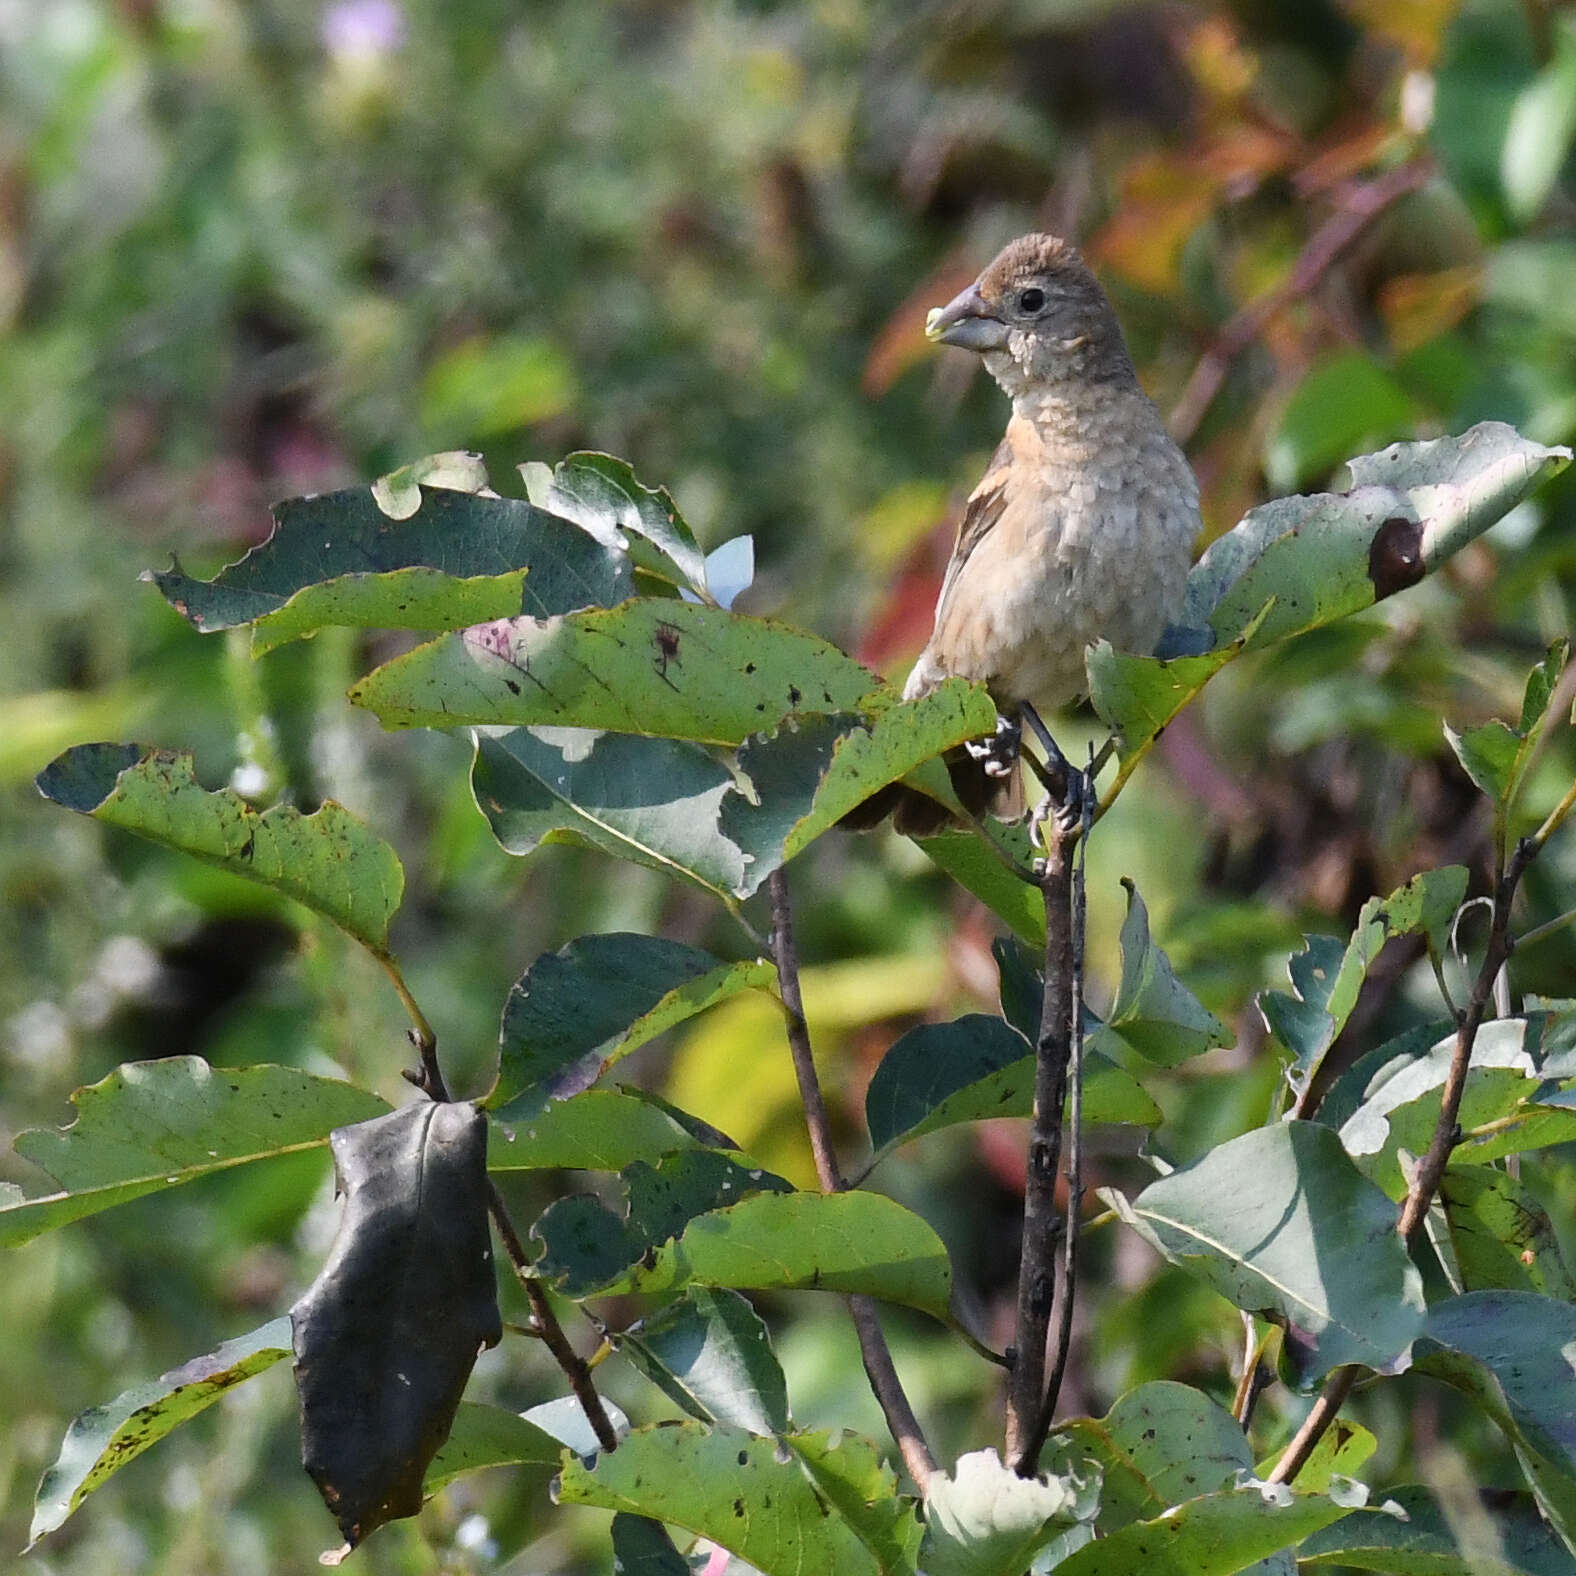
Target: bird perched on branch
x,y
1082,527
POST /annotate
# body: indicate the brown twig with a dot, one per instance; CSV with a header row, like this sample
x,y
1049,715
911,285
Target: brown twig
x,y
1357,207
548,1328
879,1367
429,1076
1072,1221
1026,1389
1447,1133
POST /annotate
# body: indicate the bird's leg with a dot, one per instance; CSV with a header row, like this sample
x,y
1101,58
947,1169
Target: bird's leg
x,y
1000,752
1066,788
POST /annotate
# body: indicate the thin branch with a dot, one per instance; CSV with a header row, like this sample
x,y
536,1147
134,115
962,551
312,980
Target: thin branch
x,y
547,1325
879,1367
429,1077
1358,207
1336,1388
1053,1051
1072,1221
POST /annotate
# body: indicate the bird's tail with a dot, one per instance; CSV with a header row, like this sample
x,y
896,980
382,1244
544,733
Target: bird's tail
x,y
916,814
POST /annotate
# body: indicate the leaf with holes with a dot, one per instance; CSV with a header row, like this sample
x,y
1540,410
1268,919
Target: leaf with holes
x,y
1326,976
402,555
327,861
759,1498
1214,1534
602,495
153,1125
672,670
1160,1444
104,1438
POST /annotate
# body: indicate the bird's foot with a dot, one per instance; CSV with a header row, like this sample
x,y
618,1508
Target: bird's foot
x,y
998,754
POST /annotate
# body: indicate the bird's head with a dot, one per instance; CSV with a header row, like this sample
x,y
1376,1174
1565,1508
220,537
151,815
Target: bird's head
x,y
1038,317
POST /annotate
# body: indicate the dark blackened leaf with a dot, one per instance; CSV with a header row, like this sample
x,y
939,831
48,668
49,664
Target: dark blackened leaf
x,y
387,1336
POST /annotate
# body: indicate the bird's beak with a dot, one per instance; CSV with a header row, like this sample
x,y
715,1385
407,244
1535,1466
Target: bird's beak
x,y
968,322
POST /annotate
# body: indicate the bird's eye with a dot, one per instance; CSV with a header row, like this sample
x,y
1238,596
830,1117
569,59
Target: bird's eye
x,y
1032,299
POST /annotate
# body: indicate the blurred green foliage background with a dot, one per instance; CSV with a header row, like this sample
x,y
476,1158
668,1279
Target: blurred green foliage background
x,y
249,250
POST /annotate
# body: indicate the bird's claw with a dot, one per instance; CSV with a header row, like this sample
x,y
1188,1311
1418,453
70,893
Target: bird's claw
x,y
998,755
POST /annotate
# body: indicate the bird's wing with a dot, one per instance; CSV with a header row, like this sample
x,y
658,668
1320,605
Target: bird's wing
x,y
980,514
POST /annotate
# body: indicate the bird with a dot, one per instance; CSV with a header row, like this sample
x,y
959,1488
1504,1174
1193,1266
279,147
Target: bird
x,y
1081,529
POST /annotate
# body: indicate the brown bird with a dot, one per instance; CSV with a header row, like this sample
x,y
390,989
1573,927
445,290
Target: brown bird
x,y
1082,527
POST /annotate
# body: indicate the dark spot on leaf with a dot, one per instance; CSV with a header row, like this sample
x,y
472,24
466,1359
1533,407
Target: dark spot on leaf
x,y
738,1507
1395,556
749,667
511,686
794,695
744,1458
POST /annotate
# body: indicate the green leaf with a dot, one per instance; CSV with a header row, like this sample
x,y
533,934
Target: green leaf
x,y
328,860
586,1246
978,1067
1211,1535
755,1497
600,1130
1542,124
1506,1105
489,1436
1516,1540
104,1438
602,494
1496,756
808,775
1345,401
964,856
153,1125
666,669
982,1519
484,387
709,1352
1500,1235
653,802
1159,1445
642,1547
1154,1012
1137,696
846,1242
1514,1353
1342,1450
576,1011
853,1478
1321,558
1327,977
402,556
1350,1294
